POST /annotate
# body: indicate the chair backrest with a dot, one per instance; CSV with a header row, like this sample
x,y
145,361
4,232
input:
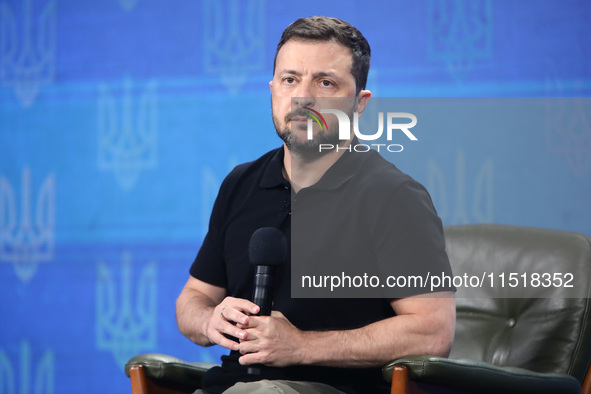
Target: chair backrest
x,y
551,334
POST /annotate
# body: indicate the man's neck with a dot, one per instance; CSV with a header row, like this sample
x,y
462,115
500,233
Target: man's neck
x,y
302,173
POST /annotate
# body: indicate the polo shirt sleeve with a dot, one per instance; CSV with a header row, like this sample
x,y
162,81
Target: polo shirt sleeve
x,y
409,237
209,265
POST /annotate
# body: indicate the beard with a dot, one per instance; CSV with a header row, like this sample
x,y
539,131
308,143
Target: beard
x,y
303,147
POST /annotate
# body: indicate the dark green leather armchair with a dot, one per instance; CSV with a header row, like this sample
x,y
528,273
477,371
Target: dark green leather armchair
x,y
503,344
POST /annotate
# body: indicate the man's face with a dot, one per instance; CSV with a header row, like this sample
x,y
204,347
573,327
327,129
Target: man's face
x,y
309,71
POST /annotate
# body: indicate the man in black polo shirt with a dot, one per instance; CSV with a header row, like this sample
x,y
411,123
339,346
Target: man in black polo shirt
x,y
316,345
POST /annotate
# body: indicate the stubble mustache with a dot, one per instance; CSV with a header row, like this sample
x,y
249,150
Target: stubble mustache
x,y
299,112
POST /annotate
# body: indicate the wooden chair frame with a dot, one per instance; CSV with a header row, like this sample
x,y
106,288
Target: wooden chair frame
x,y
401,384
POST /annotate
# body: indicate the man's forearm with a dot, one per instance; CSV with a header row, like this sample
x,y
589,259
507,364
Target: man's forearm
x,y
375,344
421,326
193,312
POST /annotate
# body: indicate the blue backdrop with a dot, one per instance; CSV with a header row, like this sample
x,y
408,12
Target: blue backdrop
x,y
120,118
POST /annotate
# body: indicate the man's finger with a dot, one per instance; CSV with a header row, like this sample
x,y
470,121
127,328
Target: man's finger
x,y
249,359
236,310
248,347
224,342
225,327
231,314
253,321
242,305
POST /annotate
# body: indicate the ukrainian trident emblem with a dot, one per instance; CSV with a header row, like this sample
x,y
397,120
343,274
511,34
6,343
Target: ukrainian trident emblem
x,y
234,39
128,5
31,240
460,33
127,131
43,374
126,309
27,48
568,131
479,208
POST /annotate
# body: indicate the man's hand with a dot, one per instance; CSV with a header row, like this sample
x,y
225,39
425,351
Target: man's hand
x,y
422,325
205,315
271,340
225,319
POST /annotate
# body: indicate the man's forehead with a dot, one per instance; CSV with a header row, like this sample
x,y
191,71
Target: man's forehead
x,y
330,48
303,45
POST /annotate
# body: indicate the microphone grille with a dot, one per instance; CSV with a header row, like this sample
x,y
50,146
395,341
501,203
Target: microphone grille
x,y
268,246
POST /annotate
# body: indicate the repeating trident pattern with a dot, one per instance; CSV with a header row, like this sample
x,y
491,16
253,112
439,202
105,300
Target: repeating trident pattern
x,y
126,321
128,5
42,380
30,241
210,185
127,132
460,33
568,131
483,191
27,48
233,39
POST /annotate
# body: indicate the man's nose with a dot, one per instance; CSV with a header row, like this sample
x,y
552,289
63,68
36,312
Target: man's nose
x,y
304,96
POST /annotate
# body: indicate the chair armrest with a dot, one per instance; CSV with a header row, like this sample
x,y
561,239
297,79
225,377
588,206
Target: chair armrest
x,y
170,369
481,377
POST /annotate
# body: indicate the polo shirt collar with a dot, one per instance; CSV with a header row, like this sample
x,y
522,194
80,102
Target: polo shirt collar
x,y
336,176
340,172
345,168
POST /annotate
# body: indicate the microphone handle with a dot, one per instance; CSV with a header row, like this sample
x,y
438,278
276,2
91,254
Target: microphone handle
x,y
263,287
262,296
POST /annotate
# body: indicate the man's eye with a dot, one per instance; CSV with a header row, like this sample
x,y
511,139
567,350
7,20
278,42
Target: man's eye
x,y
289,80
326,83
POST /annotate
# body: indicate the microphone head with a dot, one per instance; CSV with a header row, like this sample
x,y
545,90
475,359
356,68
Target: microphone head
x,y
268,246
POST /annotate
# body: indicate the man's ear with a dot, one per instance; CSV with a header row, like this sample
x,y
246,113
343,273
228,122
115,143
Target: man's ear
x,y
362,99
271,84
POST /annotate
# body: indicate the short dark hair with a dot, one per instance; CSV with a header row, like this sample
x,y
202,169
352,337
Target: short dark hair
x,y
323,28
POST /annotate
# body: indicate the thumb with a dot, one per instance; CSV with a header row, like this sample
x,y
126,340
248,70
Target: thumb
x,y
278,314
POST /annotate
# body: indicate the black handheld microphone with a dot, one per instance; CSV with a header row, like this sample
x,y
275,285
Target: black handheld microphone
x,y
267,250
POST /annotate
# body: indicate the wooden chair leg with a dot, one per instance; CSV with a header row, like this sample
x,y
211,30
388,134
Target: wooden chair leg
x,y
399,380
138,380
142,384
586,388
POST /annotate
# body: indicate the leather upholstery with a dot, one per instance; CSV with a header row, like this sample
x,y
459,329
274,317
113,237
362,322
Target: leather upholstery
x,y
502,345
540,334
472,376
162,367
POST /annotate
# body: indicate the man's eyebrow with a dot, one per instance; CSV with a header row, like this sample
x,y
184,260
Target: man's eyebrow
x,y
319,74
294,72
325,74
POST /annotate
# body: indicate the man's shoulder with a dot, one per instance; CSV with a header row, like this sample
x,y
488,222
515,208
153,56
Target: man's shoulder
x,y
254,168
248,177
383,184
378,172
